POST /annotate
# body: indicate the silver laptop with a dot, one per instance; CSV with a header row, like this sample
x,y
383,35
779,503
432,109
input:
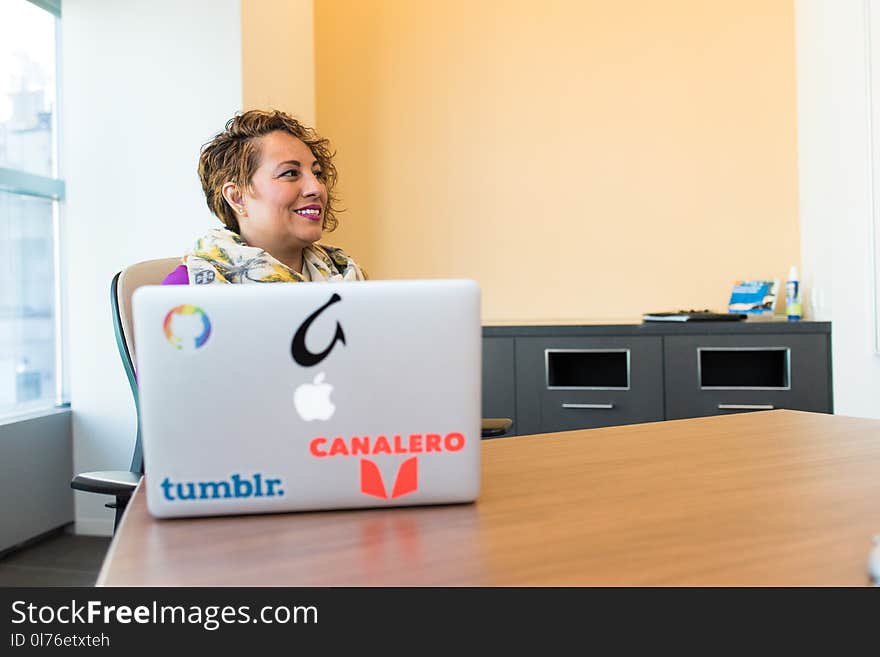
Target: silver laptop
x,y
266,398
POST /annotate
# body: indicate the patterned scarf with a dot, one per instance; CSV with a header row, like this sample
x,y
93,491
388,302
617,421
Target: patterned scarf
x,y
222,256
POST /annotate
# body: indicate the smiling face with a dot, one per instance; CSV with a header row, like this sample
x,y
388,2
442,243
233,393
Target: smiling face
x,y
282,209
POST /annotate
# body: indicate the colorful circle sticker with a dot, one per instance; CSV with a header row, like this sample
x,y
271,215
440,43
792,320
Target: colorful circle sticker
x,y
187,327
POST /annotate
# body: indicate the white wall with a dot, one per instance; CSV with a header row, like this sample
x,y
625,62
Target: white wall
x,y
835,191
145,83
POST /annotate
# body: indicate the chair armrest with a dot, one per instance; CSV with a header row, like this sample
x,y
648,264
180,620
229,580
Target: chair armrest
x,y
492,427
107,482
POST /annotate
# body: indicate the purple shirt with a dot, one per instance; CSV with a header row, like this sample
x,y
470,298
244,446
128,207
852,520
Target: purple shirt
x,y
178,277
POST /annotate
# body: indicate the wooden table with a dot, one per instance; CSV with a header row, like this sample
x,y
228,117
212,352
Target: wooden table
x,y
771,498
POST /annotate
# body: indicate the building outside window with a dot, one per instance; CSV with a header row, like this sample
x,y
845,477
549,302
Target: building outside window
x,y
31,192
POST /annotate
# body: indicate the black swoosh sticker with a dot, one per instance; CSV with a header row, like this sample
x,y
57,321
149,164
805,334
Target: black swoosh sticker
x,y
298,349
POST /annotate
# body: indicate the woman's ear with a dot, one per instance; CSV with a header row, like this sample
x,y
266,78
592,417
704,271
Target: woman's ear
x,y
232,194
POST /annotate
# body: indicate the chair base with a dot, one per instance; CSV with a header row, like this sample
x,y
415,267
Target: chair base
x,y
119,483
107,482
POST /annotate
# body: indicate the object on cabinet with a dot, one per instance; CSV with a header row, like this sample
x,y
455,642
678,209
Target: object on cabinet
x,y
793,296
693,316
754,297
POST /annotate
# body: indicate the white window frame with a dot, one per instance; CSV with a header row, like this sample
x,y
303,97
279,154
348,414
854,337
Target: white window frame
x,y
51,188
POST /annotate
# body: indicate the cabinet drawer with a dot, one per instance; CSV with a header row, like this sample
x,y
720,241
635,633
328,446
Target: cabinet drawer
x,y
712,375
582,383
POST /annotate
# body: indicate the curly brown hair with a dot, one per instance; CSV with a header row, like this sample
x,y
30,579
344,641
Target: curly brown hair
x,y
234,155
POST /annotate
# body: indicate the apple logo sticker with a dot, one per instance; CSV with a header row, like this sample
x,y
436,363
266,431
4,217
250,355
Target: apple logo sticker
x,y
312,400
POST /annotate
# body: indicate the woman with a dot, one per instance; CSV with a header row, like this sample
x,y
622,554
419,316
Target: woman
x,y
270,180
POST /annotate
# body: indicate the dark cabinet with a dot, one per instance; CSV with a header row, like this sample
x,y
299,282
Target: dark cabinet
x,y
558,378
499,398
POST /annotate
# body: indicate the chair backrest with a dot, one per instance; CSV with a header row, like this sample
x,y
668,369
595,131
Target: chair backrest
x,y
149,272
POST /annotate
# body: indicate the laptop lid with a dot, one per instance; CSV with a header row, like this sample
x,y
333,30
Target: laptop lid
x,y
261,398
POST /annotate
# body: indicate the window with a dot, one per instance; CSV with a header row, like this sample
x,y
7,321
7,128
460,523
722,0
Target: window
x,y
30,195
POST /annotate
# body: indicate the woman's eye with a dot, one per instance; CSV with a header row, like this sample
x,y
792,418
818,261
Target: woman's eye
x,y
290,173
320,175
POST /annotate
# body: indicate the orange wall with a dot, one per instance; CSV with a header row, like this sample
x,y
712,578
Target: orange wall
x,y
278,56
581,159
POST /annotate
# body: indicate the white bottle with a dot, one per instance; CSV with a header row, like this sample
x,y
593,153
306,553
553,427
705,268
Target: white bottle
x,y
793,296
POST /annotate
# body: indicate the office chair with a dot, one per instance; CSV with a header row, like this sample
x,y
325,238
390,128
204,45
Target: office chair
x,y
121,483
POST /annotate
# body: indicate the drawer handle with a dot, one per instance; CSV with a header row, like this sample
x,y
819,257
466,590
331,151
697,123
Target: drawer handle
x,y
745,407
588,406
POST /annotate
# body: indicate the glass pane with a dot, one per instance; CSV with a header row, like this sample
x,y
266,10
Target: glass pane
x,y
27,302
27,87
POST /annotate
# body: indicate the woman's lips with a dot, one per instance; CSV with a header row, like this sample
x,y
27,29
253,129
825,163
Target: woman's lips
x,y
310,212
